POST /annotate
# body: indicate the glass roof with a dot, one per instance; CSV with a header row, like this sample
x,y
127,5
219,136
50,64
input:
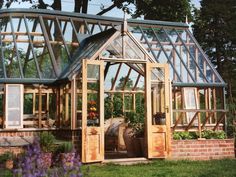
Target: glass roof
x,y
39,48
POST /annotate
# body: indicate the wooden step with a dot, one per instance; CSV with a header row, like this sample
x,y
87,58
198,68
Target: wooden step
x,y
127,161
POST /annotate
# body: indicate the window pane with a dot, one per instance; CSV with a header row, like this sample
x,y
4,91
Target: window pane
x,y
28,103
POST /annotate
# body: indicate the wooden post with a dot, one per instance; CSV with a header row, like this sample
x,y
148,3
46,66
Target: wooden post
x,y
67,103
73,102
60,106
34,100
40,107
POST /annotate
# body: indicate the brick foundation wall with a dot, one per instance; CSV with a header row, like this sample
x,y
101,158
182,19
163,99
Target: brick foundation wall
x,y
26,135
202,149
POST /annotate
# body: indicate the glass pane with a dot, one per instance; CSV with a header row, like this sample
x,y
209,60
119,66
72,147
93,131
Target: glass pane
x,y
128,102
14,105
13,97
93,71
52,106
93,85
157,74
93,110
44,102
158,96
28,103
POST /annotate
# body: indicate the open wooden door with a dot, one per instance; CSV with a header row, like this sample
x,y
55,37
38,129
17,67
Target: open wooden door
x,y
158,113
92,111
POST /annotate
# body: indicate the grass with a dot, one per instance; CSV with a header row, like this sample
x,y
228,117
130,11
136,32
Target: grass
x,y
160,168
214,168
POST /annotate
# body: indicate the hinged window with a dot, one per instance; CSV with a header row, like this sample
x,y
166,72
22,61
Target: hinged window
x,y
14,106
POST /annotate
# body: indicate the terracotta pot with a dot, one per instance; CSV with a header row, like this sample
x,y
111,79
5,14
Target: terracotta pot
x,y
45,160
9,164
142,144
128,139
137,147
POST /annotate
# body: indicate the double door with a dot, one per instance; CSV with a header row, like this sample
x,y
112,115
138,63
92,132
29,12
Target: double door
x,y
157,120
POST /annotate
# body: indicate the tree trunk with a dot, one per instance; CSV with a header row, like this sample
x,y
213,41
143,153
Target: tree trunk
x,y
78,5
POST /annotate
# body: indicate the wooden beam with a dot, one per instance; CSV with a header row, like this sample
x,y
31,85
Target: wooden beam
x,y
116,76
126,79
222,117
207,118
191,122
40,107
136,83
178,120
123,91
73,103
199,110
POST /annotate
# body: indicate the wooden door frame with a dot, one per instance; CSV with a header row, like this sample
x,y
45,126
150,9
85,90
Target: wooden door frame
x,y
148,120
84,107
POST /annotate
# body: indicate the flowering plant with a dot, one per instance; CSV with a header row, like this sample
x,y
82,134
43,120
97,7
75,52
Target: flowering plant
x,y
92,110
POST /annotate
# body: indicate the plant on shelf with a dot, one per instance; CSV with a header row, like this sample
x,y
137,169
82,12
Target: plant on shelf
x,y
159,118
133,133
92,113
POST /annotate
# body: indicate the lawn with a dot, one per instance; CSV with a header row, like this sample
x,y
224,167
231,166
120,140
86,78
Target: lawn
x,y
159,168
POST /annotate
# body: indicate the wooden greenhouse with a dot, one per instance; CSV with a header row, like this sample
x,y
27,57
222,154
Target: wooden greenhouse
x,y
76,74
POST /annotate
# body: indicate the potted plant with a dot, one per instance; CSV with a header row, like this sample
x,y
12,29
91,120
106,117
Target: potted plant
x,y
46,141
133,132
92,114
7,159
159,118
66,153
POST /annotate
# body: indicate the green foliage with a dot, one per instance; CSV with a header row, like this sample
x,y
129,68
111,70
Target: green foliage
x,y
66,147
167,168
166,10
210,134
28,103
231,120
184,135
46,141
135,120
214,27
6,156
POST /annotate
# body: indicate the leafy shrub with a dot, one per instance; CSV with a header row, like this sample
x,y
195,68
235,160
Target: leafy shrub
x,y
46,141
66,147
136,122
184,135
210,134
30,165
6,156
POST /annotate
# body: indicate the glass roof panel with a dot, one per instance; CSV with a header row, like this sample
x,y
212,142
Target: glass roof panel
x,y
132,50
45,64
171,44
114,49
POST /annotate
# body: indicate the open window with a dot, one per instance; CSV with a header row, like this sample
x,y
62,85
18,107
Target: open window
x,y
14,106
190,102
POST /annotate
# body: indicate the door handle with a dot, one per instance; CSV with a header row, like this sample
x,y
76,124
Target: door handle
x,y
167,109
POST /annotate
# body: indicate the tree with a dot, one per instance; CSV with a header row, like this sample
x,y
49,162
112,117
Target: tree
x,y
80,6
214,27
166,10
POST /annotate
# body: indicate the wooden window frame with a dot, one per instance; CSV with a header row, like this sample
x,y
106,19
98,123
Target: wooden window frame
x,y
21,107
